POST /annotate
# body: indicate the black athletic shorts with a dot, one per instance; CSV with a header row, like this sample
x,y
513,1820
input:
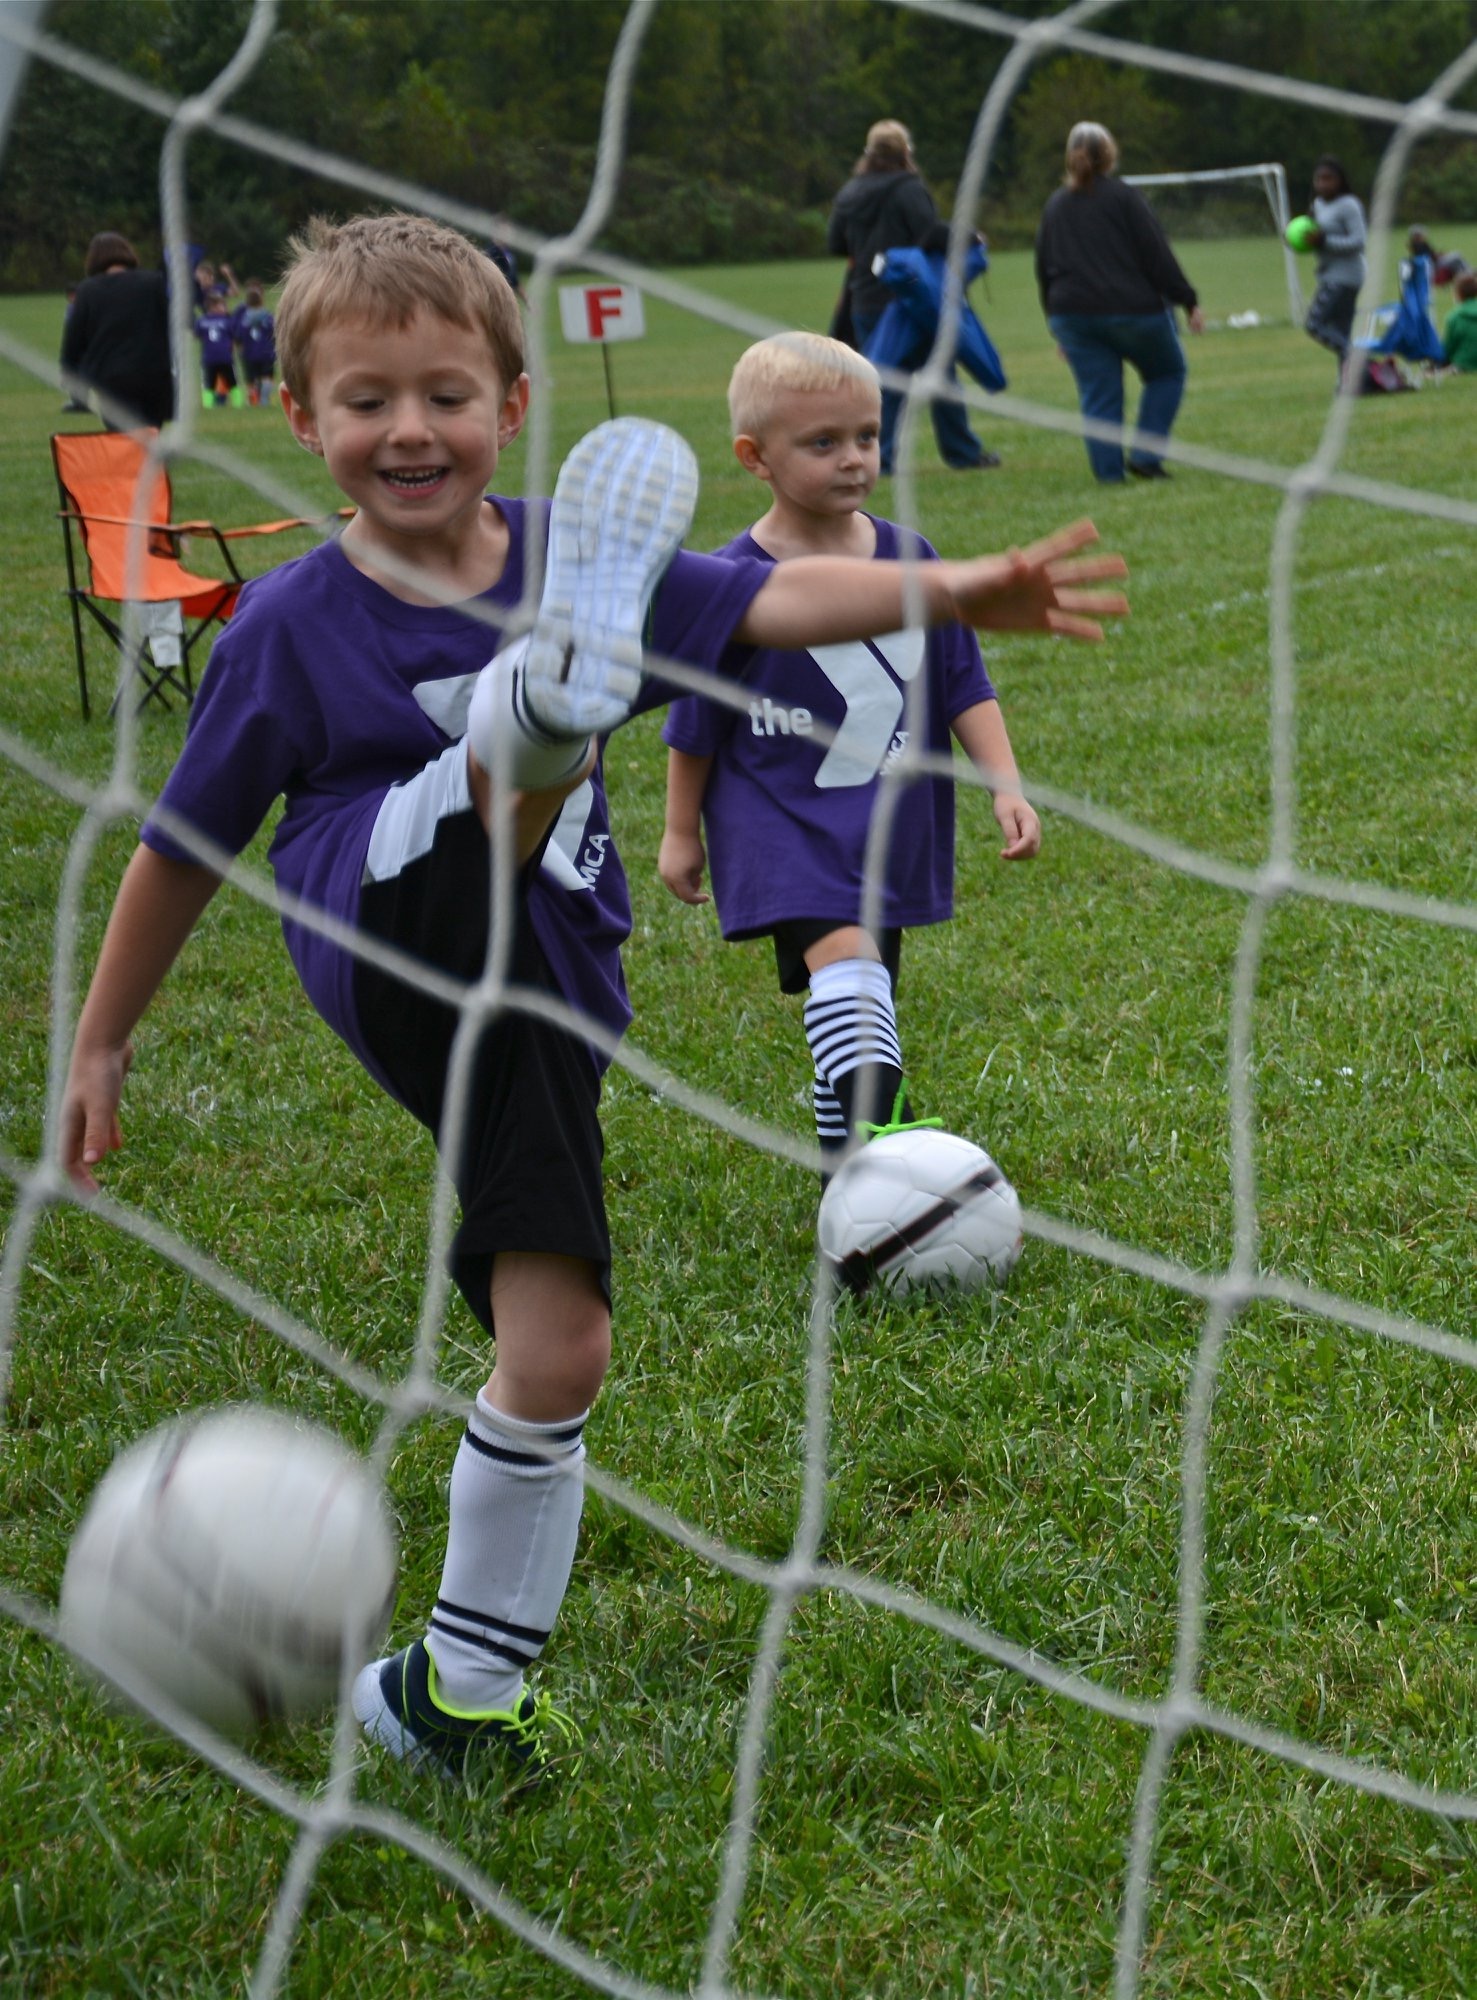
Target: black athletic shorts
x,y
528,1171
794,938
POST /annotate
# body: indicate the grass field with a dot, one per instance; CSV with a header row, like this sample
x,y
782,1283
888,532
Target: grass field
x,y
929,1822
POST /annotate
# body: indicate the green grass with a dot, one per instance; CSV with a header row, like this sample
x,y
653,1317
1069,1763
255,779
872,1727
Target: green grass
x,y
929,1822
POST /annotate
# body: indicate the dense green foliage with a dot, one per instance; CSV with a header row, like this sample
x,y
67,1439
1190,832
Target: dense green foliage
x,y
745,118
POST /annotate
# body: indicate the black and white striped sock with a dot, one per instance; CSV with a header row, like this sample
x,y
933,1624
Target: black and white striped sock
x,y
830,1125
517,1491
851,1026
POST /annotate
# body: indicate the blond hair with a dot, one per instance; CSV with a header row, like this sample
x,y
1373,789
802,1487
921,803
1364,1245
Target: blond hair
x,y
810,362
889,148
385,269
1092,152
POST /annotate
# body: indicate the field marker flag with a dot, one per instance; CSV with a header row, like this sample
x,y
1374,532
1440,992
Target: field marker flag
x,y
602,314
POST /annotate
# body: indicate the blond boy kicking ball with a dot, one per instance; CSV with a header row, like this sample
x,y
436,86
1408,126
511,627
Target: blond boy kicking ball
x,y
787,789
356,683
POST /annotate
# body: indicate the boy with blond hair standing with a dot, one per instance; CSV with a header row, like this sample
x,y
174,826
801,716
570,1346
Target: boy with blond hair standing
x,y
357,682
787,791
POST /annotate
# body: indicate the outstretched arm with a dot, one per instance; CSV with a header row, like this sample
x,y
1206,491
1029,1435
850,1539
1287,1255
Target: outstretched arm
x,y
682,860
982,736
159,902
825,600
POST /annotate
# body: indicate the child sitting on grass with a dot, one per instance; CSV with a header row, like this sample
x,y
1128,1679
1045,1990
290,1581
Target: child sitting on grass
x,y
788,789
357,682
1459,335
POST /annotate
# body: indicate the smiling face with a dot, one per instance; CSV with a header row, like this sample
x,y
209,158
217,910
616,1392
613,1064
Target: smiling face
x,y
409,421
820,448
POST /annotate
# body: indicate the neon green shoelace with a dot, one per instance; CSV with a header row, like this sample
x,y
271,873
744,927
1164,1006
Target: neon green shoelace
x,y
897,1122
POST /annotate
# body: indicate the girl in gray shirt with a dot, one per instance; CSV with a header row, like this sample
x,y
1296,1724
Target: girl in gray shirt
x,y
1337,211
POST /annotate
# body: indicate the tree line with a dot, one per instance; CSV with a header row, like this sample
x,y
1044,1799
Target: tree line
x,y
746,115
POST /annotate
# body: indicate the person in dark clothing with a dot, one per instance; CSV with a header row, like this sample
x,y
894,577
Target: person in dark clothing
x,y
116,339
1109,283
74,403
886,206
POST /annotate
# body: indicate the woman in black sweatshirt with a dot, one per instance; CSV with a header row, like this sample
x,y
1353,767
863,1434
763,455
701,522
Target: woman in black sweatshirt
x,y
886,206
116,338
1109,284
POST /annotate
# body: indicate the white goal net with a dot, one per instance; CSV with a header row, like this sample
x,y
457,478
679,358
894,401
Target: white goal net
x,y
762,1531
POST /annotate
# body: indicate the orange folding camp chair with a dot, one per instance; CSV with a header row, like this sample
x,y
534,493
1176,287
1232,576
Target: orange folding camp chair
x,y
110,491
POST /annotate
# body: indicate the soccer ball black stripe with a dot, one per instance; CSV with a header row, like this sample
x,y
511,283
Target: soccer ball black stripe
x,y
861,1266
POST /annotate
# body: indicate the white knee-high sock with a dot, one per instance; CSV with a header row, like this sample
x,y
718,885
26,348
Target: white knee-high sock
x,y
851,1026
499,723
517,1490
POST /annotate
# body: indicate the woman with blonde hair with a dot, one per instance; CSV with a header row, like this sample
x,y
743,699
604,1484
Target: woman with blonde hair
x,y
886,206
1109,284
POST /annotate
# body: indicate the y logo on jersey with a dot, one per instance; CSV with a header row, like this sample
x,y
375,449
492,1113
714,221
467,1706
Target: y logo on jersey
x,y
874,702
575,854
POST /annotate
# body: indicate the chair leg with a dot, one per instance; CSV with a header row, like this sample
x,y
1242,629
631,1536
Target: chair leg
x,y
133,668
81,658
191,638
158,674
163,632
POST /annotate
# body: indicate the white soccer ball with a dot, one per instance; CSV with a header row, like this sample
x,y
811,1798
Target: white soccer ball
x,y
226,1560
920,1208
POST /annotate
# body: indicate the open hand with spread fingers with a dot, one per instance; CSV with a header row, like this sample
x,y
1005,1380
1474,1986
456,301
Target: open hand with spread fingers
x,y
1040,588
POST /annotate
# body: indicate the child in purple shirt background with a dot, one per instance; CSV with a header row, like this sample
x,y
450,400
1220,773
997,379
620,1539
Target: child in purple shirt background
x,y
215,329
787,790
255,334
357,683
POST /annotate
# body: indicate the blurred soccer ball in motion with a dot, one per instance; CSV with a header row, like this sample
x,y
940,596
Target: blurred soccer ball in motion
x,y
227,1560
920,1208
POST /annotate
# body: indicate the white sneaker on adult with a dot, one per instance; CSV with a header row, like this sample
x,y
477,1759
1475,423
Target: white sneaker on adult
x,y
622,504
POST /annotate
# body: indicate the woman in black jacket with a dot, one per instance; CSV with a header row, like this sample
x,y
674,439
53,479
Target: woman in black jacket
x,y
885,206
116,339
1109,284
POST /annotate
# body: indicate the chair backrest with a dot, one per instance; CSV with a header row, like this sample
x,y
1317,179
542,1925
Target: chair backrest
x,y
110,484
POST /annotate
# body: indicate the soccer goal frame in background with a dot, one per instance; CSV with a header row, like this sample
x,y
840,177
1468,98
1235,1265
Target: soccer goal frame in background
x,y
1273,177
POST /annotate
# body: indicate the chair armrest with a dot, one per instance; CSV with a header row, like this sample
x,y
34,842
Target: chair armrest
x,y
170,533
122,521
276,527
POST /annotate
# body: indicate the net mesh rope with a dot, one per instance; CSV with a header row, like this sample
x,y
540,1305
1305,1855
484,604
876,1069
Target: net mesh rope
x,y
1223,1295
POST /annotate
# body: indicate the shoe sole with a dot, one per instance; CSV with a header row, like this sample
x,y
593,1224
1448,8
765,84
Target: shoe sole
x,y
382,1726
622,505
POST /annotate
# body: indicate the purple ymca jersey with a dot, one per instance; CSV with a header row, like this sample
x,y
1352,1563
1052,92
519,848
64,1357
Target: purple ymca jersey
x,y
326,688
256,334
216,333
788,808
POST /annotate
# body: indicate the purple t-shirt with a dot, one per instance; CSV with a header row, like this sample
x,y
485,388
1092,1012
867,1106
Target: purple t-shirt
x,y
216,333
326,688
256,334
787,810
